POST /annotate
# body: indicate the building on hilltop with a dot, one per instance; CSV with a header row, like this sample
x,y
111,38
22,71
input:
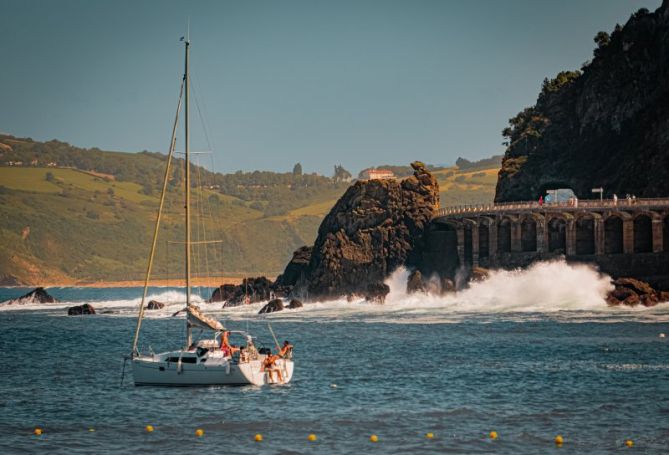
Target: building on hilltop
x,y
376,174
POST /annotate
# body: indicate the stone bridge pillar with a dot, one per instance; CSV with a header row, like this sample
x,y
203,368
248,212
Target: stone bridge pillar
x,y
541,235
658,240
492,240
628,236
570,237
516,236
600,235
475,244
461,244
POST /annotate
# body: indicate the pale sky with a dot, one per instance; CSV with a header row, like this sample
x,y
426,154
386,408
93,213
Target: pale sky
x,y
359,82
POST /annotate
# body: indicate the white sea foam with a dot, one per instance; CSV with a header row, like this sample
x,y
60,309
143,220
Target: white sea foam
x,y
554,289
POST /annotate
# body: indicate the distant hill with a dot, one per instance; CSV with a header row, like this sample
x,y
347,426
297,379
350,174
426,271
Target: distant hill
x,y
73,214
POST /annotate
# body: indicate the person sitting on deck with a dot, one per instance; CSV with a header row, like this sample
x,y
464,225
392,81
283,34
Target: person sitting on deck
x,y
286,351
226,347
269,365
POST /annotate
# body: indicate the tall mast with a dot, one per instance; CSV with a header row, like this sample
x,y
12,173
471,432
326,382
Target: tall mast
x,y
189,337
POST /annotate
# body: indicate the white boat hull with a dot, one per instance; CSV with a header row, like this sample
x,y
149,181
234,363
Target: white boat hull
x,y
155,370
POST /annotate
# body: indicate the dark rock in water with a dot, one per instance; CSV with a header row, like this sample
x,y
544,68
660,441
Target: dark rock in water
x,y
632,292
296,269
272,306
155,305
374,228
38,295
415,282
479,274
447,285
251,290
294,304
80,310
377,292
605,126
223,293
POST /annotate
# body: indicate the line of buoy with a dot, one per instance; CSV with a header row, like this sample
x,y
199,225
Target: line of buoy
x,y
199,432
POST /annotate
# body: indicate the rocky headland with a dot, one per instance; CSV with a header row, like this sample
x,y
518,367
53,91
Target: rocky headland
x,y
374,228
605,125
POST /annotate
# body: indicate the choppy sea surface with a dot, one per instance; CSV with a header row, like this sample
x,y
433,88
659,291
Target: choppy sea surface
x,y
529,355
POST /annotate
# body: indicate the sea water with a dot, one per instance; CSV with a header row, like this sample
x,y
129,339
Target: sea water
x,y
529,355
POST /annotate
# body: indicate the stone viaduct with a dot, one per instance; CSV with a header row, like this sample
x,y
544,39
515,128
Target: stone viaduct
x,y
623,237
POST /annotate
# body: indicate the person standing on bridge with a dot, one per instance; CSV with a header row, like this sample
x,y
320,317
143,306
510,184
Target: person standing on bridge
x,y
541,201
615,199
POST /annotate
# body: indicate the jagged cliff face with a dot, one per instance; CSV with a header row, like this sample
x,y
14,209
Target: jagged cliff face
x,y
608,126
374,228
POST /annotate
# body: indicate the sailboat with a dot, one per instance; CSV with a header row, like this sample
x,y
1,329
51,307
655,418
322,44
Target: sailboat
x,y
214,360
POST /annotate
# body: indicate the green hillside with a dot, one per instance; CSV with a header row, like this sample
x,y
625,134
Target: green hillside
x,y
70,214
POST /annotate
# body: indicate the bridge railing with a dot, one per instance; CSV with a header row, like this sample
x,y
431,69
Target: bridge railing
x,y
567,205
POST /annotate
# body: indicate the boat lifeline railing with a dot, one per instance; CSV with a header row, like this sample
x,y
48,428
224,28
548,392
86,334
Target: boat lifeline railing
x,y
573,204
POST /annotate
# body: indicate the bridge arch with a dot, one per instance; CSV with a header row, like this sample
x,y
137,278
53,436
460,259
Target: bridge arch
x,y
584,227
643,233
556,226
484,237
613,233
504,235
528,234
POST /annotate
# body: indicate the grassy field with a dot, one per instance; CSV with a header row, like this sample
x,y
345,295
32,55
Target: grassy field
x,y
79,226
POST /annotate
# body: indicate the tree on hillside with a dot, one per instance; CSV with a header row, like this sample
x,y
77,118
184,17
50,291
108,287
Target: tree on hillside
x,y
297,169
602,39
341,174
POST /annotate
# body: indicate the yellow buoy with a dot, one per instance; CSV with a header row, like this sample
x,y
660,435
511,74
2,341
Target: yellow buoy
x,y
149,428
493,435
559,440
91,430
199,432
38,431
429,435
312,437
374,438
258,437
629,443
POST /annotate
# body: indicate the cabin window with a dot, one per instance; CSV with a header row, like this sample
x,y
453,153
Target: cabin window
x,y
183,359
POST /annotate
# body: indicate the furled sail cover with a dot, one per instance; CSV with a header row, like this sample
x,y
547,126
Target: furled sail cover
x,y
197,318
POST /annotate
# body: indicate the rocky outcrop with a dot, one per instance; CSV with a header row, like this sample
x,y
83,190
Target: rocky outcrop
x,y
155,305
376,227
38,295
297,268
294,304
251,290
272,306
415,282
632,292
605,126
80,310
377,292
